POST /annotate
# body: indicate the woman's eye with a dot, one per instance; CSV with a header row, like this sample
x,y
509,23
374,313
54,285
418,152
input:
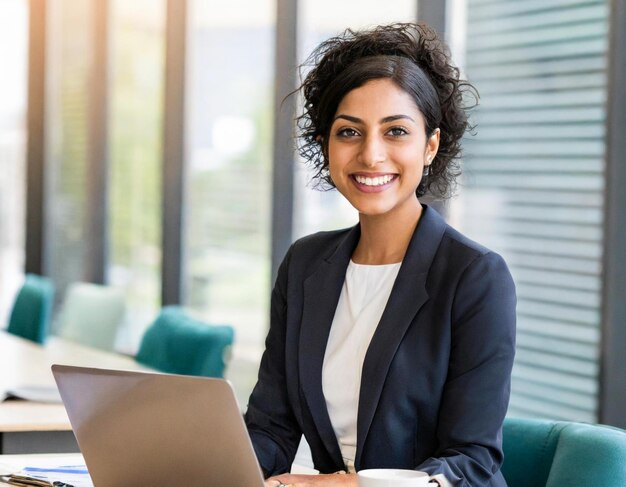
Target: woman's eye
x,y
397,131
347,132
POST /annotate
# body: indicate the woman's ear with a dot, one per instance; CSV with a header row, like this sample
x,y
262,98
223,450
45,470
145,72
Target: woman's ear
x,y
432,145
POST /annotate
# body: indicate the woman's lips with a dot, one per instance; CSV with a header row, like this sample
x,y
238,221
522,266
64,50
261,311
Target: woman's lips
x,y
373,183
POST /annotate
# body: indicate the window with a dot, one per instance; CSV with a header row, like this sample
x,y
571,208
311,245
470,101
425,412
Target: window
x,y
13,85
68,65
534,187
229,136
137,57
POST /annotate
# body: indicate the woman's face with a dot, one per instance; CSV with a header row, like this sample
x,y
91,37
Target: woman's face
x,y
377,148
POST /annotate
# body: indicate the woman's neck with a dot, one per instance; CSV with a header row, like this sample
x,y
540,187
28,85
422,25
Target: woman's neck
x,y
385,238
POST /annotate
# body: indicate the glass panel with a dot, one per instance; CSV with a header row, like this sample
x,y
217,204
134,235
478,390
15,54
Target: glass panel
x,y
137,66
229,173
13,85
69,58
534,189
327,210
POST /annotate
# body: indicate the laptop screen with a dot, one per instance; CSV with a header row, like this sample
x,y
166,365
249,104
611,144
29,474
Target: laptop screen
x,y
136,428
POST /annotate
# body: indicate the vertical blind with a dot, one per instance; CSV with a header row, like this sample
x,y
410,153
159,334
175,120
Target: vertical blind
x,y
534,186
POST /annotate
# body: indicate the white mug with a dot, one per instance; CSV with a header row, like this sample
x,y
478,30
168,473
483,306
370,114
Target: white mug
x,y
392,477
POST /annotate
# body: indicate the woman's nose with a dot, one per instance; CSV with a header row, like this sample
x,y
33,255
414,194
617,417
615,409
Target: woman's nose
x,y
372,151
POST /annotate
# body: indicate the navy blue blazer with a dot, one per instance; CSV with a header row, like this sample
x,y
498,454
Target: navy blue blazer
x,y
436,377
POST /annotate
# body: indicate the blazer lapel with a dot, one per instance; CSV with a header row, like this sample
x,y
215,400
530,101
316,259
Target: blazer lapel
x,y
408,295
321,295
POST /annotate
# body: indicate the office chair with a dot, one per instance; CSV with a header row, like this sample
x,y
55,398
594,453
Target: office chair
x,y
91,314
540,453
178,344
30,316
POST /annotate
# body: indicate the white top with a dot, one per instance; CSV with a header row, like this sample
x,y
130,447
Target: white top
x,y
363,298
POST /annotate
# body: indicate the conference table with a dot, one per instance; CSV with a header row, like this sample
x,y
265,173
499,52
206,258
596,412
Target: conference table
x,y
33,426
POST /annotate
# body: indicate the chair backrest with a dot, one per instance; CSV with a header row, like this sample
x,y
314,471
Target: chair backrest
x,y
543,453
91,314
178,344
589,455
30,316
529,447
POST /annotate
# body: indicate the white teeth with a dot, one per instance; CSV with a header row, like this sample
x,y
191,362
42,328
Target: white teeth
x,y
377,181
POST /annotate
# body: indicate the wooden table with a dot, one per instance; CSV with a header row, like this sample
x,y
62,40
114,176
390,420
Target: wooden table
x,y
30,427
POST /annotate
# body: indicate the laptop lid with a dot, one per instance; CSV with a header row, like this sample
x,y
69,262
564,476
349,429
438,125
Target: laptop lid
x,y
137,428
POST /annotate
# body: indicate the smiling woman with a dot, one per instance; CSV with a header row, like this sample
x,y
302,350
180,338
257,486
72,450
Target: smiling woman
x,y
391,343
418,64
378,145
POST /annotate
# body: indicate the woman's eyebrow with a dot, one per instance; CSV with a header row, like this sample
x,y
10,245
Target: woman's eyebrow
x,y
390,118
393,118
349,118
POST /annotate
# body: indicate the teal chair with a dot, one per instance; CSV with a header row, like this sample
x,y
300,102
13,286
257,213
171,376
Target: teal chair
x,y
540,453
30,316
178,344
91,314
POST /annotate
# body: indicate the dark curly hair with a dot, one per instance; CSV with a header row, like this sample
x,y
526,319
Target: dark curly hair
x,y
413,57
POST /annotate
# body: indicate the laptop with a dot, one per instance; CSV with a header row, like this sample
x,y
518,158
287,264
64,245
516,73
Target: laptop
x,y
149,429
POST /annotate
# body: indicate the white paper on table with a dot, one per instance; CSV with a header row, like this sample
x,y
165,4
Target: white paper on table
x,y
47,394
75,475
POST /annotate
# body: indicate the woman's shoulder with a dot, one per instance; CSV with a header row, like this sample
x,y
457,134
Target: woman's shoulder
x,y
456,251
307,254
321,244
446,242
471,259
459,242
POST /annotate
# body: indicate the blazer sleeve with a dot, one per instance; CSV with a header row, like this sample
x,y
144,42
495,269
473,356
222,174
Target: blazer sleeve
x,y
273,429
476,393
